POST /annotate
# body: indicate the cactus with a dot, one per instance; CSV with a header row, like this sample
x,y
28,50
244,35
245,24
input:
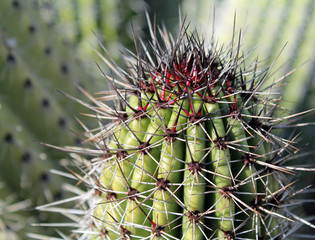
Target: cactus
x,y
271,27
25,169
34,62
12,221
37,56
31,62
193,151
31,110
29,172
109,20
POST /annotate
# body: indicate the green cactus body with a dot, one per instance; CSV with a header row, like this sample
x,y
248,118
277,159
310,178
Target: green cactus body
x,y
291,34
182,174
28,172
24,168
34,62
192,152
13,214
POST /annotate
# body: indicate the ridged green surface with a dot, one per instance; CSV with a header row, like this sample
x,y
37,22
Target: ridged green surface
x,y
34,63
14,215
87,22
24,163
41,50
193,151
35,60
282,30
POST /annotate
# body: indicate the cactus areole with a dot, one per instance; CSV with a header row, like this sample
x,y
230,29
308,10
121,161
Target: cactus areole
x,y
192,151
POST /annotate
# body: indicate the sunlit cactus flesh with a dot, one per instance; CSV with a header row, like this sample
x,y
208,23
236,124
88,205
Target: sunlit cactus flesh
x,y
193,150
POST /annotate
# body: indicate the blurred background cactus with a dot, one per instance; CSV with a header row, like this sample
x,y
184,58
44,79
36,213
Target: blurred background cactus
x,y
47,45
41,50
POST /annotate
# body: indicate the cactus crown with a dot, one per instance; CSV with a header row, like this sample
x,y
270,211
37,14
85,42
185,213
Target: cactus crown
x,y
192,151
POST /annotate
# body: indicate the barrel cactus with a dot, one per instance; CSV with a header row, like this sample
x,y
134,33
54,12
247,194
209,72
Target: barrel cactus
x,y
193,151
